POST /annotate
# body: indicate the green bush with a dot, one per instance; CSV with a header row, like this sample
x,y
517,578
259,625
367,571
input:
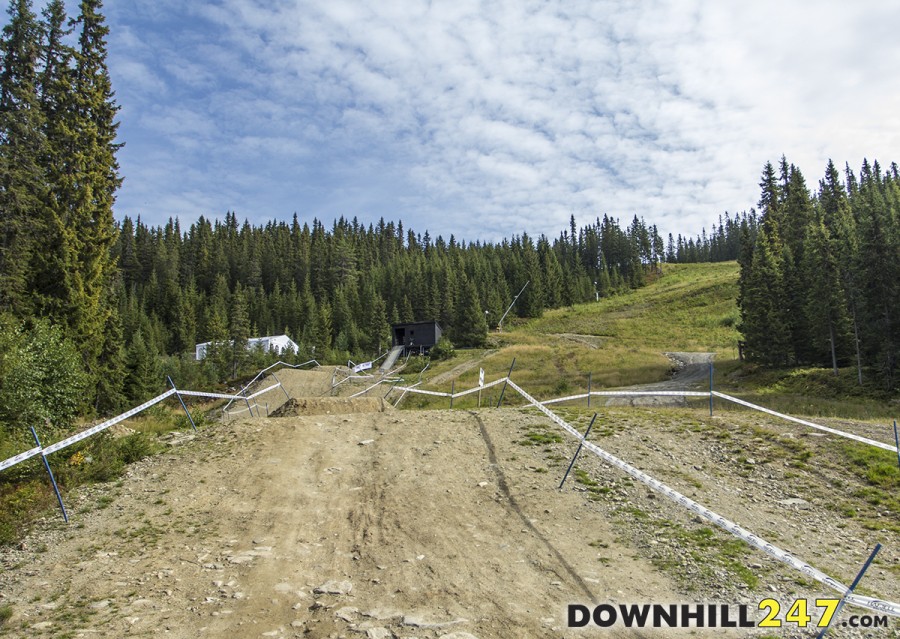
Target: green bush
x,y
136,446
198,415
19,505
444,349
41,377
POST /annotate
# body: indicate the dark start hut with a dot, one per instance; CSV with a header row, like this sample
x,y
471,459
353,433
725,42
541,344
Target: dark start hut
x,y
415,337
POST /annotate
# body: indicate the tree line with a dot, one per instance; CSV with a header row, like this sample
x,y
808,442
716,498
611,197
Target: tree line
x,y
58,178
722,244
99,310
820,282
336,290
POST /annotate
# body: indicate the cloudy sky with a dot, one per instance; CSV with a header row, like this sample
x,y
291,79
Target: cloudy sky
x,y
485,119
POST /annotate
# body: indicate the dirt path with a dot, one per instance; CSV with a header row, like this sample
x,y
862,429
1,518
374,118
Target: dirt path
x,y
422,526
459,369
692,373
444,524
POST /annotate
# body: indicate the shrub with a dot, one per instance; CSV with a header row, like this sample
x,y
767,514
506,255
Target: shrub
x,y
198,415
18,506
443,349
41,377
136,446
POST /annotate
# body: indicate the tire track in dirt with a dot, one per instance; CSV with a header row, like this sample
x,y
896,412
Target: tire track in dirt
x,y
514,506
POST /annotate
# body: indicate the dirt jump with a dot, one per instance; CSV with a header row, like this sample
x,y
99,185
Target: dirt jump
x,y
439,524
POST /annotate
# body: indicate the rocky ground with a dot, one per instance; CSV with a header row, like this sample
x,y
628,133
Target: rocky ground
x,y
445,524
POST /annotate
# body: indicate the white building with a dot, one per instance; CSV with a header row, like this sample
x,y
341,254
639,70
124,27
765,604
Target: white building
x,y
273,343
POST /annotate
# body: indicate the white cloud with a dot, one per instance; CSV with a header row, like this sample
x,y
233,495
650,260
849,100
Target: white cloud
x,y
511,114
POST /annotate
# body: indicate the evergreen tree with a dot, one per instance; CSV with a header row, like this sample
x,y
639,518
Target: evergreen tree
x,y
825,308
22,147
76,273
238,329
143,378
470,326
765,327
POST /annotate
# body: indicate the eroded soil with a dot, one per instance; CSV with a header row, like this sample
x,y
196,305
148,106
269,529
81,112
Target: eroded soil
x,y
441,523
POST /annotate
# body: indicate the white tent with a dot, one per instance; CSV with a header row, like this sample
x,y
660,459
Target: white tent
x,y
273,343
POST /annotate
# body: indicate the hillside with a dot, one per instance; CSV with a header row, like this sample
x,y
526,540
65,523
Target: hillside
x,y
622,341
347,518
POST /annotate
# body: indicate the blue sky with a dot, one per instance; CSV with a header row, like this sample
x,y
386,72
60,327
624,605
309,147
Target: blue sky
x,y
485,119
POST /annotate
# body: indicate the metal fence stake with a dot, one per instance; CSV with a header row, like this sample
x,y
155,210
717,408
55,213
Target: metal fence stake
x,y
500,401
52,478
183,405
281,385
578,451
590,378
897,441
850,592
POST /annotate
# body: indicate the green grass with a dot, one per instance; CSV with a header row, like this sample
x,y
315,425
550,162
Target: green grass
x,y
620,341
25,491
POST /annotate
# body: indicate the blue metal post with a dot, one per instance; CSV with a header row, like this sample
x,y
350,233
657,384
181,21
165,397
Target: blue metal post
x,y
577,452
183,405
850,592
52,478
897,441
500,401
281,385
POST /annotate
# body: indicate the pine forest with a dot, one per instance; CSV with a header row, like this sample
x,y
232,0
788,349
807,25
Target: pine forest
x,y
96,311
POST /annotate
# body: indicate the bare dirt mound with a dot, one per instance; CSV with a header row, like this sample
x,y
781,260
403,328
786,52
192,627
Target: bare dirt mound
x,y
426,524
691,373
331,406
303,383
383,525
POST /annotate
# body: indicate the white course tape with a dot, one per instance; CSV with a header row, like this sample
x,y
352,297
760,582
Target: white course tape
x,y
12,461
420,391
233,412
660,393
768,548
864,440
210,395
367,389
479,388
99,427
265,390
628,394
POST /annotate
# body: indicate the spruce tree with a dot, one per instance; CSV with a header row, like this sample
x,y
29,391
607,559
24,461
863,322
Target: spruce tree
x,y
238,329
78,267
22,147
825,304
766,328
470,328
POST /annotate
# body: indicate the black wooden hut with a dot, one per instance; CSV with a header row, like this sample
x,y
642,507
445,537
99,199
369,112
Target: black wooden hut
x,y
415,337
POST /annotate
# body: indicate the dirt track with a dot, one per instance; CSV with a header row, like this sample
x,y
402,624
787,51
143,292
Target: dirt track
x,y
691,372
232,534
435,524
